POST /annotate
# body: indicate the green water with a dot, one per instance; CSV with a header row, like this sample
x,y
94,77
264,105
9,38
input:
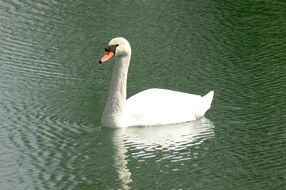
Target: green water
x,y
53,91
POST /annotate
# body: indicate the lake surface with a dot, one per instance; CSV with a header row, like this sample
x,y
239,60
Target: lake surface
x,y
53,91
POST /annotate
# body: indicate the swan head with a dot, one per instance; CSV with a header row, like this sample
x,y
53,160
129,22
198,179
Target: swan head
x,y
116,47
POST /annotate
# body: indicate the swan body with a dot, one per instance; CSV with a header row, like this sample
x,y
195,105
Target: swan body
x,y
149,107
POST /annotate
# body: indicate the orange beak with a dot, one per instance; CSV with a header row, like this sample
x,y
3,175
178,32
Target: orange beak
x,y
108,55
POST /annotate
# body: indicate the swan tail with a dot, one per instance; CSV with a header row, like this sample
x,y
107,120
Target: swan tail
x,y
208,98
206,104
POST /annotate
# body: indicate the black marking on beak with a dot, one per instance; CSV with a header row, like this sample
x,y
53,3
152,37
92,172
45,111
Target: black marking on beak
x,y
111,48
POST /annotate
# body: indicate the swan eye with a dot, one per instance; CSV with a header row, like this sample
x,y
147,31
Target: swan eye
x,y
111,48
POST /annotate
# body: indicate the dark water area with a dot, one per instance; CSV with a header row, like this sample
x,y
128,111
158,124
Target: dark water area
x,y
52,94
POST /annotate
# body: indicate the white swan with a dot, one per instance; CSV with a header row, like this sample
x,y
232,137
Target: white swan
x,y
149,107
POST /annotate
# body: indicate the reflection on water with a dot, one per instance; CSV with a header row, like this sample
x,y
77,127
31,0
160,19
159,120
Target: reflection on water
x,y
120,159
169,136
175,137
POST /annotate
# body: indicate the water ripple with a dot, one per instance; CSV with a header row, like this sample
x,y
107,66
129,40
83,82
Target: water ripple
x,y
49,157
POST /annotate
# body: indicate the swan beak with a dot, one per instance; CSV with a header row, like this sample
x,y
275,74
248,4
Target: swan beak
x,y
108,55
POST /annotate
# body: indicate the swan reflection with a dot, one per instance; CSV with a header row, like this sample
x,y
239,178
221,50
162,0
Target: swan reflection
x,y
171,137
120,161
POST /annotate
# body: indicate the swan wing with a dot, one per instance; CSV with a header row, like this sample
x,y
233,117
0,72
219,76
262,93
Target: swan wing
x,y
160,107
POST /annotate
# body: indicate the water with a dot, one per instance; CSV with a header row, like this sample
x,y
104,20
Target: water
x,y
52,94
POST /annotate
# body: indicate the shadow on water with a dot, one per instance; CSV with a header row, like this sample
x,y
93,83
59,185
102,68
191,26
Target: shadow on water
x,y
145,142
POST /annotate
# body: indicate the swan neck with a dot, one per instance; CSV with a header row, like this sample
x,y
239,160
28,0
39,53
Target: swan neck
x,y
119,80
117,93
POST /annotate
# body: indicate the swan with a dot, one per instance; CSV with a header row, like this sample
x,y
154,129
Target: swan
x,y
150,107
